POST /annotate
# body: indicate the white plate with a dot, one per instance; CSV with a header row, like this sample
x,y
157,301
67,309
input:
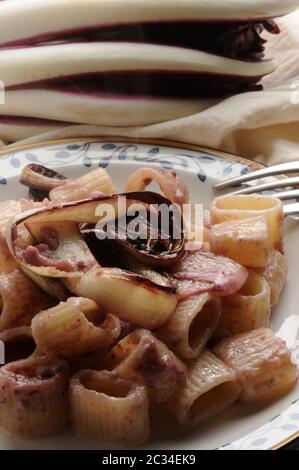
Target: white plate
x,y
240,427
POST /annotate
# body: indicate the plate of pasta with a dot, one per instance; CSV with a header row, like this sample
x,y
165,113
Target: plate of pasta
x,y
138,308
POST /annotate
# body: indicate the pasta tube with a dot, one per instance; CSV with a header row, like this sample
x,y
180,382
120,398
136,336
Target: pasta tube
x,y
211,387
248,309
34,397
142,357
251,206
74,328
245,241
261,361
276,275
192,324
106,407
20,300
84,187
18,343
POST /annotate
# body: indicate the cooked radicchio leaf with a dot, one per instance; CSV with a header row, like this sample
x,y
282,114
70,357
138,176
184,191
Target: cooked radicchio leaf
x,y
154,247
40,180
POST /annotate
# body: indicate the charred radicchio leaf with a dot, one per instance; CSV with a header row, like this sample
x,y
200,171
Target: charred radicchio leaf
x,y
40,180
152,247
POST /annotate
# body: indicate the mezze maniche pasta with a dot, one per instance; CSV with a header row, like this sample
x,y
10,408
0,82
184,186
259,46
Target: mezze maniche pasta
x,y
105,328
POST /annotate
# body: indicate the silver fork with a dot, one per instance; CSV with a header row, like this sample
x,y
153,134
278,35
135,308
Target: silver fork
x,y
287,183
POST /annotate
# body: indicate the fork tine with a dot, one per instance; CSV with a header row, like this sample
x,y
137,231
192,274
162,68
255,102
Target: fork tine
x,y
291,209
281,183
287,195
291,167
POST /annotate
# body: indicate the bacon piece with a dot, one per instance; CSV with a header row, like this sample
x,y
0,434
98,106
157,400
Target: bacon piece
x,y
202,272
171,185
41,256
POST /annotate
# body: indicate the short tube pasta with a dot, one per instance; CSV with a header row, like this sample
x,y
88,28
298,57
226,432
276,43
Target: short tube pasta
x,y
96,181
142,357
245,241
192,324
211,387
276,274
107,407
20,300
250,206
248,309
74,328
262,363
18,343
34,397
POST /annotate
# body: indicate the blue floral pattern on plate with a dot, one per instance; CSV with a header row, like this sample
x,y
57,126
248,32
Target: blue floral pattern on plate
x,y
92,154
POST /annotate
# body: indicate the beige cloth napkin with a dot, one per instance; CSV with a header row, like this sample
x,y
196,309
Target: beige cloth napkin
x,y
260,125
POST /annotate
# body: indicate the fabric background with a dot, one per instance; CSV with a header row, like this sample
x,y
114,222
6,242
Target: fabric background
x,y
263,126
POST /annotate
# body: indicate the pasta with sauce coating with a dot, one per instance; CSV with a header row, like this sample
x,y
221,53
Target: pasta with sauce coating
x,y
237,207
192,324
96,181
245,241
262,363
142,357
211,387
248,309
74,328
34,397
276,274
